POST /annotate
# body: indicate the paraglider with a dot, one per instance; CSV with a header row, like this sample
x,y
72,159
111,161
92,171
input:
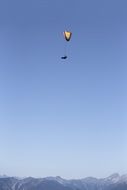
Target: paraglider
x,y
67,37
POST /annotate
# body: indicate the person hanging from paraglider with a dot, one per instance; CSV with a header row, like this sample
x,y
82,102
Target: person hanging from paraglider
x,y
64,57
67,36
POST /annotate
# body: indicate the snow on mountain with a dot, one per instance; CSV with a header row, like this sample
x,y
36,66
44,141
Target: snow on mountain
x,y
57,178
114,178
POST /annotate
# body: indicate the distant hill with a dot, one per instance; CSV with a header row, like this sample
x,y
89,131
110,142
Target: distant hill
x,y
113,182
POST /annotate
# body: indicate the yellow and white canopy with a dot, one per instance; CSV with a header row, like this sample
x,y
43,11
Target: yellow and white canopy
x,y
67,35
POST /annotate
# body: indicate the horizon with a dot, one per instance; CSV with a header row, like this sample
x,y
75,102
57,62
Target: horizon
x,y
44,177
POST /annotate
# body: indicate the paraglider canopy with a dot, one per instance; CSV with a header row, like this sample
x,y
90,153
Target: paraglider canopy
x,y
67,35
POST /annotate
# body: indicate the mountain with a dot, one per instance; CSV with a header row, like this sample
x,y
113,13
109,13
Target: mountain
x,y
113,182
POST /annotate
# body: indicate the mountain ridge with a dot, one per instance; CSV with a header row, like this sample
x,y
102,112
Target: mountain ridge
x,y
112,182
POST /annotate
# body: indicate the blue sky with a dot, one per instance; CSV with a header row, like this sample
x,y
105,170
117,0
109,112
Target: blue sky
x,y
63,117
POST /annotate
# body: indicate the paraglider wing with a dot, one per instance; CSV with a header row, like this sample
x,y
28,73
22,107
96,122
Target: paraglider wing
x,y
67,35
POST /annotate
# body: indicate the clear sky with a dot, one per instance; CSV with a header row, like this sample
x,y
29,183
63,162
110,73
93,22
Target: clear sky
x,y
63,117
